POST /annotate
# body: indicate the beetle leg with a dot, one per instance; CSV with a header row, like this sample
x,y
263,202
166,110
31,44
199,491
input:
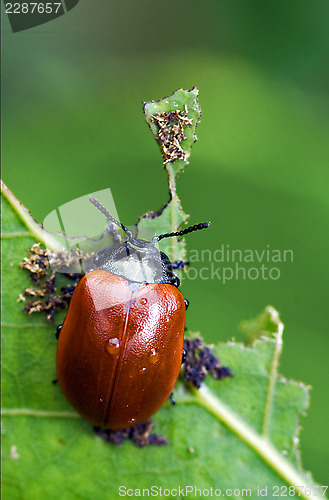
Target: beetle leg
x,y
73,276
68,289
179,264
171,399
174,280
58,331
184,355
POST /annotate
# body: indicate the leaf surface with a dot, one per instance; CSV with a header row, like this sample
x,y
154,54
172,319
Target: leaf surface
x,y
171,217
47,448
230,436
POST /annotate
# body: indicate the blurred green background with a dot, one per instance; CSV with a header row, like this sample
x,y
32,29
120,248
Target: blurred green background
x,y
73,124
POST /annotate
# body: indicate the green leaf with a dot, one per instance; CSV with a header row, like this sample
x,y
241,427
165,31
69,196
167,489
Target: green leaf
x,y
162,222
180,108
180,115
34,227
238,433
267,322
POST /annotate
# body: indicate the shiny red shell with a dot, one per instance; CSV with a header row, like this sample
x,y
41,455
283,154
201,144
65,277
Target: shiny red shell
x,y
120,351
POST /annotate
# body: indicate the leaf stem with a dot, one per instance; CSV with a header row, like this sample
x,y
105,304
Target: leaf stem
x,y
274,370
173,217
260,444
13,412
34,227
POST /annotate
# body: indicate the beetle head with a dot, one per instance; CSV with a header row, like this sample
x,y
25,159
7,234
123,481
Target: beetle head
x,y
135,259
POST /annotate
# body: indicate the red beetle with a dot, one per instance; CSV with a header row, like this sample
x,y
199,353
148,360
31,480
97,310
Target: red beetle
x,y
120,347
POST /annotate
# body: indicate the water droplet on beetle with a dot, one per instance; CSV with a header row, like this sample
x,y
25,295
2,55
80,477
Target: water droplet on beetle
x,y
143,301
113,345
153,357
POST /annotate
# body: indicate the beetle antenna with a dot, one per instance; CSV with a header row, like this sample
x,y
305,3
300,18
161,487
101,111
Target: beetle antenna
x,y
196,227
109,217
